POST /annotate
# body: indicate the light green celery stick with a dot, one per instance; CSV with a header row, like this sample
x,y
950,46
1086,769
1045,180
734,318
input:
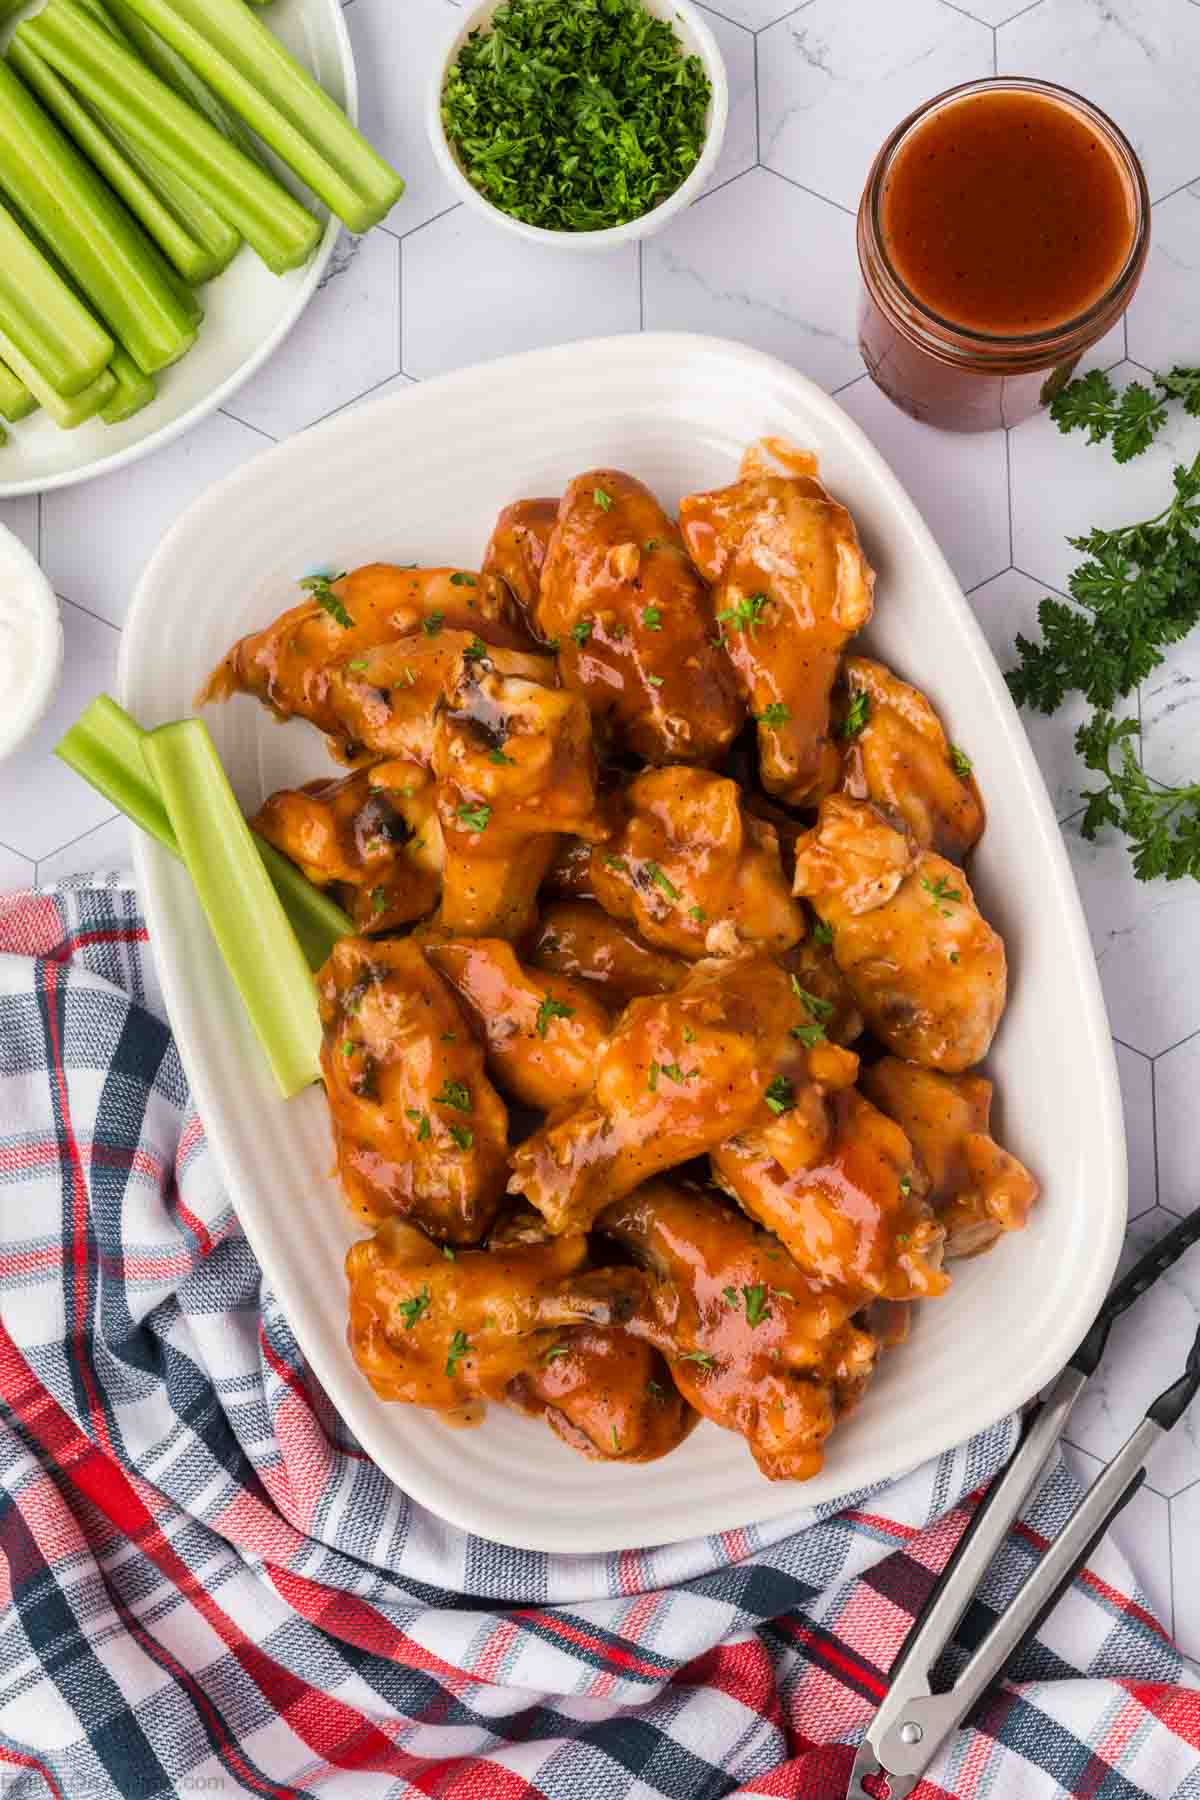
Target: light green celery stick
x,y
134,389
260,948
16,401
99,244
8,8
128,94
189,257
105,747
177,74
40,314
248,66
67,412
3,437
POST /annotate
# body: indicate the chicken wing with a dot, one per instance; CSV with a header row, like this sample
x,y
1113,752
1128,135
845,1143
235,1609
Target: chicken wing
x,y
373,836
845,1196
897,755
517,549
790,587
579,939
287,665
515,769
633,623
694,870
419,1128
543,1033
680,1074
926,968
753,1343
825,988
977,1189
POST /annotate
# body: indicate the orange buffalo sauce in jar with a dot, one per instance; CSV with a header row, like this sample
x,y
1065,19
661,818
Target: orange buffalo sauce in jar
x,y
1002,231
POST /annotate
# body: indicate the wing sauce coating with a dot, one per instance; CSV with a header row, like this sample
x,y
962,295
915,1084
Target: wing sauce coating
x,y
419,1129
924,965
752,1342
579,939
790,588
901,760
633,623
977,1189
517,549
693,869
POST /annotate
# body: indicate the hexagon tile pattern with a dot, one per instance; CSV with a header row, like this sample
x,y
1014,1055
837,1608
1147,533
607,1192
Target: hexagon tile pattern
x,y
767,256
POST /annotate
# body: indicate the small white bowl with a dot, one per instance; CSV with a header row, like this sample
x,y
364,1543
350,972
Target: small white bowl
x,y
696,39
31,643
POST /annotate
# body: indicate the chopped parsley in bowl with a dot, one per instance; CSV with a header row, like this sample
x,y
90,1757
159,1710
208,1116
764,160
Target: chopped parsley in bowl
x,y
590,121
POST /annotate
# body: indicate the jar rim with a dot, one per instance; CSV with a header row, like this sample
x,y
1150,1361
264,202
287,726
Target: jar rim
x,y
946,337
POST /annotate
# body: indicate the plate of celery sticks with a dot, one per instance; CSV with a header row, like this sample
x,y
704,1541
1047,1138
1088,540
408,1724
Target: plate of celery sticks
x,y
174,175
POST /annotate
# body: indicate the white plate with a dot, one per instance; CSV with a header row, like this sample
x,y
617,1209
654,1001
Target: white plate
x,y
419,476
248,311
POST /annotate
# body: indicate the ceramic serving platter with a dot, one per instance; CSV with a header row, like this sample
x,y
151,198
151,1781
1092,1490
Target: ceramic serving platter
x,y
248,311
419,476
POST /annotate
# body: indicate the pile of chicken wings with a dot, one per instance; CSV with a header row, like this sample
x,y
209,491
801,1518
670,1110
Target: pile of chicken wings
x,y
650,1064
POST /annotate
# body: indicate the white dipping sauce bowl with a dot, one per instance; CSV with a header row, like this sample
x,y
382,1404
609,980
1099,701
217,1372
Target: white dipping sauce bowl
x,y
31,654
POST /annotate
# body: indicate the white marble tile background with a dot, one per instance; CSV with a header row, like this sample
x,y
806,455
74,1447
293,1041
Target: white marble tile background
x,y
767,256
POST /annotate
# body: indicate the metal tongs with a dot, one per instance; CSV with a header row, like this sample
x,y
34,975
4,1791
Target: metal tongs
x,y
913,1722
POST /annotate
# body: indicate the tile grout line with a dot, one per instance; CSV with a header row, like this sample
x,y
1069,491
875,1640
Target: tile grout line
x,y
1154,1133
71,842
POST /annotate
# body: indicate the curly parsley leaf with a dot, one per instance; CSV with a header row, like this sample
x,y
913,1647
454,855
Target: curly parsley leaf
x,y
1132,418
1161,823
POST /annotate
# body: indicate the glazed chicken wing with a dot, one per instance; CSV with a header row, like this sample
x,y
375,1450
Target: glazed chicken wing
x,y
753,1342
977,1189
507,1325
680,1074
287,666
373,836
633,623
419,1128
826,990
579,939
543,1033
517,549
926,968
694,870
790,587
898,756
843,1192
514,765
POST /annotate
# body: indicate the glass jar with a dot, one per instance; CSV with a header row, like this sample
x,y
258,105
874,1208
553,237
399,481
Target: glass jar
x,y
970,380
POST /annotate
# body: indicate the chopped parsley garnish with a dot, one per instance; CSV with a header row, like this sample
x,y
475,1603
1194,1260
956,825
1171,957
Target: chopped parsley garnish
x,y
581,631
448,1253
689,1036
652,544
652,618
780,1095
652,1078
411,1310
475,818
698,913
463,1136
731,1294
756,1304
603,500
433,624
321,589
745,614
857,714
460,1346
822,933
616,1442
378,900
448,1037
954,956
656,1390
674,1073
698,1356
662,880
941,895
456,1094
460,578
906,1185
614,862
960,762
358,664
655,680
421,1121
476,651
775,714
552,1009
555,1351
498,757
820,1009
407,679
809,1035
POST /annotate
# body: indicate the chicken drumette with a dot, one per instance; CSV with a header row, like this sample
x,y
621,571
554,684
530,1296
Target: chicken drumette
x,y
517,549
926,968
790,587
419,1128
977,1189
579,939
633,623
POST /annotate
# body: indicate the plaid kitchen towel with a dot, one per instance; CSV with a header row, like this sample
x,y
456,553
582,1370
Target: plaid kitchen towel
x,y
209,1590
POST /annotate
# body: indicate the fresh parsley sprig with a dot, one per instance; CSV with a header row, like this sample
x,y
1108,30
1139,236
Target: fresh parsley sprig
x,y
1162,823
1131,418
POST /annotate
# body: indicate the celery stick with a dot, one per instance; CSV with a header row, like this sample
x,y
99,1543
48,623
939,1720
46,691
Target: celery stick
x,y
134,388
129,95
171,68
105,747
254,72
39,313
247,919
3,437
16,401
99,244
69,411
172,237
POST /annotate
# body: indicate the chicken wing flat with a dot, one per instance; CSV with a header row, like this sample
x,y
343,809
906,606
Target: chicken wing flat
x,y
514,765
680,1074
419,1129
372,836
790,587
633,623
287,665
898,756
977,1189
852,1213
543,1033
753,1343
694,870
579,939
926,968
516,551
825,989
